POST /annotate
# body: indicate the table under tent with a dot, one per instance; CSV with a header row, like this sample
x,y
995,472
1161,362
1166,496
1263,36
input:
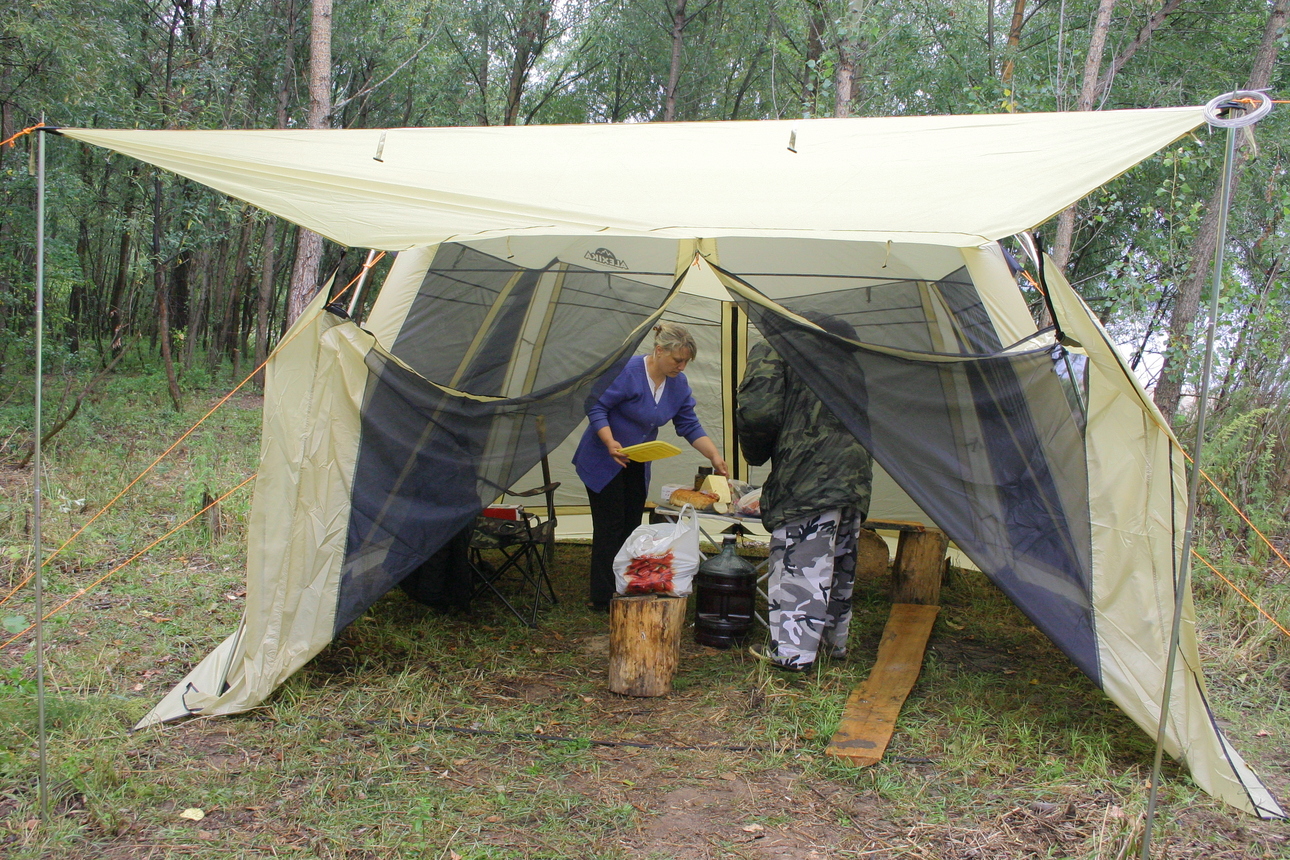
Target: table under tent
x,y
535,260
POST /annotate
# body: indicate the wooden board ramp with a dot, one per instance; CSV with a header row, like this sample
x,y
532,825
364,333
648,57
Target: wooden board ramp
x,y
869,717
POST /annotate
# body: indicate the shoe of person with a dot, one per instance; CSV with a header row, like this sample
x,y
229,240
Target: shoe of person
x,y
833,653
763,654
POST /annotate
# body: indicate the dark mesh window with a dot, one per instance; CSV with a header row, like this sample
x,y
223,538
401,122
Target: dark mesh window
x,y
486,326
986,443
895,313
431,458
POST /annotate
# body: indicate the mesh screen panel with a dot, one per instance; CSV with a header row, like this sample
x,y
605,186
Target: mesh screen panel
x,y
468,325
523,350
984,441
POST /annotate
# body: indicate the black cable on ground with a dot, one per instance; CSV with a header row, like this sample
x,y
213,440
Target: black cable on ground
x,y
545,738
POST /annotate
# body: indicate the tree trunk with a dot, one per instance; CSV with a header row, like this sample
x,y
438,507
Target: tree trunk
x,y
989,36
1087,93
674,70
1144,35
1253,316
116,320
198,313
1169,387
815,27
265,298
851,48
309,245
529,41
1010,53
159,283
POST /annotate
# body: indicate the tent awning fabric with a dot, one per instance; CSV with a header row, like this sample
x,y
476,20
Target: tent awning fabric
x,y
948,180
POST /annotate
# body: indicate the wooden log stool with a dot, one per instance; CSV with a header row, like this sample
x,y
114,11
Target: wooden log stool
x,y
644,643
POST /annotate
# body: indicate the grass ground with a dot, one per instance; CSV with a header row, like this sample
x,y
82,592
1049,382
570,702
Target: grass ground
x,y
426,736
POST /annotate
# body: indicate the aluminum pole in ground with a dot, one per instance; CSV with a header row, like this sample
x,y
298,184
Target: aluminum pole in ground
x,y
1181,585
39,554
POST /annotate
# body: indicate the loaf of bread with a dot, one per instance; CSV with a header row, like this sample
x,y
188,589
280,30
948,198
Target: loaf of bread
x,y
701,501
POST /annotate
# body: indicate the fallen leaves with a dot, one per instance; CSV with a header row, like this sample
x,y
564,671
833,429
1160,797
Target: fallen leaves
x,y
192,813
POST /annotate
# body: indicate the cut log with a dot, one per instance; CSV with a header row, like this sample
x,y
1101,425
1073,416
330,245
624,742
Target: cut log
x,y
920,563
869,717
873,559
644,643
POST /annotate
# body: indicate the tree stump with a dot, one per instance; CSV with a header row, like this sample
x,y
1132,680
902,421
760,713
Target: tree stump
x,y
920,563
873,559
644,643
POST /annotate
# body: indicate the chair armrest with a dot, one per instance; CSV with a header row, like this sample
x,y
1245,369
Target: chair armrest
x,y
549,488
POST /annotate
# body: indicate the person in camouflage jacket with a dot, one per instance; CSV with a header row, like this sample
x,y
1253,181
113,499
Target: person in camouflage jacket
x,y
813,502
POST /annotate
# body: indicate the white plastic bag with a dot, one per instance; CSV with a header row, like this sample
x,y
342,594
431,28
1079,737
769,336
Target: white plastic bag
x,y
749,504
660,558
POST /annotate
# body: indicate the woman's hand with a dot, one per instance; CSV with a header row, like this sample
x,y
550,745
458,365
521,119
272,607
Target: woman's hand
x,y
719,466
708,448
615,450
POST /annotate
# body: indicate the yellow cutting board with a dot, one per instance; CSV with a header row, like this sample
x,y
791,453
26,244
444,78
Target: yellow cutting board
x,y
646,451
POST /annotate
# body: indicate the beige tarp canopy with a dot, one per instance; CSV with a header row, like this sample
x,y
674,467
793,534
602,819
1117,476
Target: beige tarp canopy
x,y
948,180
556,247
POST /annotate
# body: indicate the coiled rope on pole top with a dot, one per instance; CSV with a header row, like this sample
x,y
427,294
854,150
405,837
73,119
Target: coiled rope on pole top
x,y
1239,99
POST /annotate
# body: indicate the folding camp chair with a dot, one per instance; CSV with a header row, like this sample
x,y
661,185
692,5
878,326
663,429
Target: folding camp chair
x,y
524,545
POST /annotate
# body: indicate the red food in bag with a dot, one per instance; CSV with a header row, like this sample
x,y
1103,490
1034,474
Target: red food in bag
x,y
650,574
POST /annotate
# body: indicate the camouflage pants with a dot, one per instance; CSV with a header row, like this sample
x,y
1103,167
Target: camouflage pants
x,y
812,575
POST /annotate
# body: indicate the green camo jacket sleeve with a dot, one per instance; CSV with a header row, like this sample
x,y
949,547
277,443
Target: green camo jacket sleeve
x,y
759,411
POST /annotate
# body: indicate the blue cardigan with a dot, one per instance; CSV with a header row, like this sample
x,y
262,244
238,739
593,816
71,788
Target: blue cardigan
x,y
628,409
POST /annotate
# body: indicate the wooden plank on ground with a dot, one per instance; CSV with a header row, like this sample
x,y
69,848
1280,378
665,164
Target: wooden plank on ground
x,y
869,717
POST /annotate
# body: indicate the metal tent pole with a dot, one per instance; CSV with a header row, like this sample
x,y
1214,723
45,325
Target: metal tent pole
x,y
362,279
1181,587
39,554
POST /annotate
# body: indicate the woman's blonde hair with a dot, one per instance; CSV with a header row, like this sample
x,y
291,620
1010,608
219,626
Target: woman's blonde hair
x,y
673,338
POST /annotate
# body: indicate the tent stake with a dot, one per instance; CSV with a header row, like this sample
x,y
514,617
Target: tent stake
x,y
42,740
1193,484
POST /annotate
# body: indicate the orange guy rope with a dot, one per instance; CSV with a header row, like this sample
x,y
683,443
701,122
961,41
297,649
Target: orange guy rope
x,y
10,141
1240,513
188,433
1237,589
81,592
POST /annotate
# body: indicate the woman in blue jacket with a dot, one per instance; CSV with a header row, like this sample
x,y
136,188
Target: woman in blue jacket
x,y
650,391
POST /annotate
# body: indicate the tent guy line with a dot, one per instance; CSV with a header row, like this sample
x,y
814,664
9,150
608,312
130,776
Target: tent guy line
x,y
84,590
104,509
1238,590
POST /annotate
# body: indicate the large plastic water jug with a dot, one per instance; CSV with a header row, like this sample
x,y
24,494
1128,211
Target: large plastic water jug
x,y
725,590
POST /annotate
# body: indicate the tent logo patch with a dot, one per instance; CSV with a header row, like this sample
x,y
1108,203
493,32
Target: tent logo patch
x,y
605,257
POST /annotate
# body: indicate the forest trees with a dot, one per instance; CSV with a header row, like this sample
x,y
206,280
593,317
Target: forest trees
x,y
150,261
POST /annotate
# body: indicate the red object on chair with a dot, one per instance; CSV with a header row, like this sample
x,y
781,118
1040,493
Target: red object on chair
x,y
505,512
